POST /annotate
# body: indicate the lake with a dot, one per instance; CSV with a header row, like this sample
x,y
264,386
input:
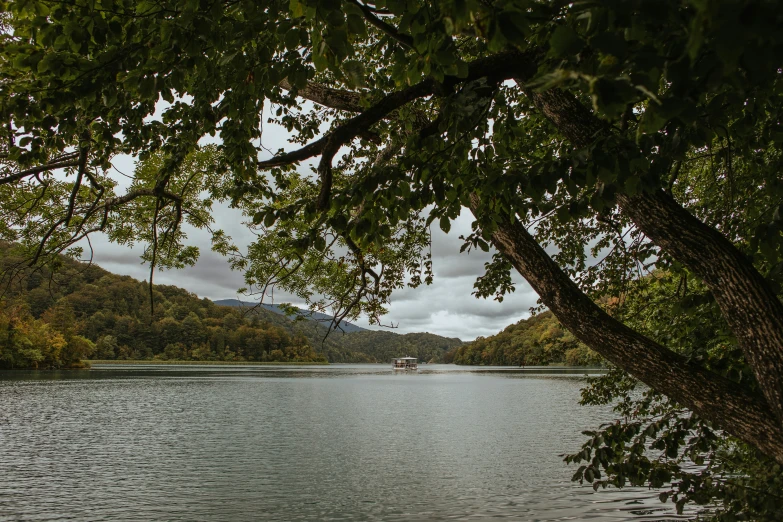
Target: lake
x,y
338,442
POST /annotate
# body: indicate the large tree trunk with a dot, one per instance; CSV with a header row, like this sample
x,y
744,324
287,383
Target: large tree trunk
x,y
727,404
751,308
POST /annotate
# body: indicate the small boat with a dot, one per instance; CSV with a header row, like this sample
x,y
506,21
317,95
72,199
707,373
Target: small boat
x,y
405,363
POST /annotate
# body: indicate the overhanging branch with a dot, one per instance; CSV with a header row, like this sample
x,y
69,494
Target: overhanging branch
x,y
747,302
496,68
727,404
67,160
339,99
386,28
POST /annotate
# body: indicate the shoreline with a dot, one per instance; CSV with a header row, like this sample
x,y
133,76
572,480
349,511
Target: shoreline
x,y
147,362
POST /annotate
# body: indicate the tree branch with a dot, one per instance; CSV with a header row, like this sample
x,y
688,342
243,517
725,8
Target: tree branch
x,y
343,100
83,152
747,302
385,28
727,404
685,382
106,207
329,97
59,164
496,67
350,129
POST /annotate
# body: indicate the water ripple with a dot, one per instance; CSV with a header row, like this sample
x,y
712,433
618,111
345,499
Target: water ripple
x,y
335,443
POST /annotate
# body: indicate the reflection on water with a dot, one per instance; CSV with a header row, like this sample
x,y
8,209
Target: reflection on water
x,y
341,442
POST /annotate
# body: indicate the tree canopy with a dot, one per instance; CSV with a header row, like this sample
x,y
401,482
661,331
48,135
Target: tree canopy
x,y
624,135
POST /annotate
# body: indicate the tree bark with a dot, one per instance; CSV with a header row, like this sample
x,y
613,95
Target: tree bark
x,y
750,306
328,97
738,287
725,403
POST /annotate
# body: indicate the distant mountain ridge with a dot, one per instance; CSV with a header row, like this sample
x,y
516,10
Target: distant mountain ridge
x,y
323,319
356,343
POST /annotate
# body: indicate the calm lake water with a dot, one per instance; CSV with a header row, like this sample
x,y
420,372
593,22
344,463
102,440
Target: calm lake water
x,y
340,442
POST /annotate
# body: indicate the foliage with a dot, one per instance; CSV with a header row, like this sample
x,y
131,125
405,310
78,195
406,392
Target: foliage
x,y
382,346
27,342
79,313
83,78
656,442
539,340
660,445
542,114
57,320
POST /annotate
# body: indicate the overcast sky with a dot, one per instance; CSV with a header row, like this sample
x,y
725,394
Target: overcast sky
x,y
445,308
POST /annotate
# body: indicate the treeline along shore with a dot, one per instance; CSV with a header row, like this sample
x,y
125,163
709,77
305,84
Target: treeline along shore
x,y
62,316
539,340
58,317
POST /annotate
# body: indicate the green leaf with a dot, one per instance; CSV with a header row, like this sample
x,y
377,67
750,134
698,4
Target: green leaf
x,y
356,25
612,96
609,43
563,213
565,42
292,39
296,8
109,98
632,185
445,224
147,87
514,26
354,71
652,120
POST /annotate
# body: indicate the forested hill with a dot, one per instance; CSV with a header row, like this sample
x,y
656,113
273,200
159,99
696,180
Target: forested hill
x,y
84,312
383,345
356,344
539,340
345,326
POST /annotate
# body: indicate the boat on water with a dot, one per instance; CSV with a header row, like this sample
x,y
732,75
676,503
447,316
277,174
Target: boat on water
x,y
405,363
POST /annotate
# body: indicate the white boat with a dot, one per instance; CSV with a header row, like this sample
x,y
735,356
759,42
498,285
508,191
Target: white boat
x,y
405,363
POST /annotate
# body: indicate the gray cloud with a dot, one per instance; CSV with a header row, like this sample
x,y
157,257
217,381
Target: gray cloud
x,y
448,262
448,308
445,308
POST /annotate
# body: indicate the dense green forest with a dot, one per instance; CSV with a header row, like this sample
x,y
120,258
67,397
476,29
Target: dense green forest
x,y
383,345
344,326
365,345
539,340
55,320
357,344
